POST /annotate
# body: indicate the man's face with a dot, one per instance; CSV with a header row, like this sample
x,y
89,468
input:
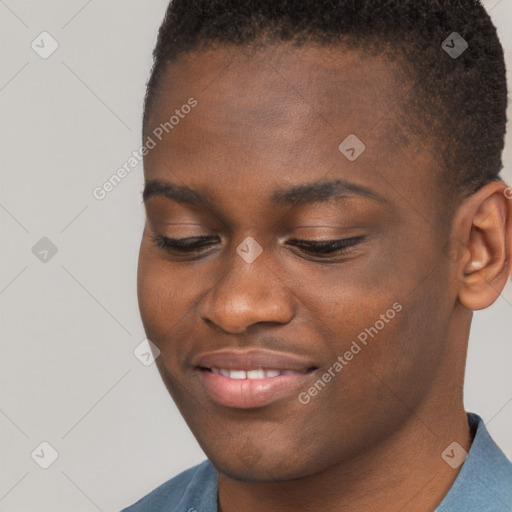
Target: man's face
x,y
264,123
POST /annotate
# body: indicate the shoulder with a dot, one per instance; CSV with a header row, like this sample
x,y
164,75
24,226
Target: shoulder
x,y
193,489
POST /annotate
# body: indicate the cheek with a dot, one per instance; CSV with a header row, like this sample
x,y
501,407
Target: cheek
x,y
162,298
389,330
150,292
396,346
346,299
169,296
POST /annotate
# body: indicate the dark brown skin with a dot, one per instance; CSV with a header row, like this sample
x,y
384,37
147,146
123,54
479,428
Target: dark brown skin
x,y
372,438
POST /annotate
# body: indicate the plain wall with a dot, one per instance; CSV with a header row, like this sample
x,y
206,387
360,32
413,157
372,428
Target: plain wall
x,y
69,325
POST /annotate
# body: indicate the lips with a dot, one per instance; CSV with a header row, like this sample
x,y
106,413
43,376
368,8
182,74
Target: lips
x,y
250,379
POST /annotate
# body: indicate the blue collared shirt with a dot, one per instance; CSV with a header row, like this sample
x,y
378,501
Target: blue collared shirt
x,y
484,483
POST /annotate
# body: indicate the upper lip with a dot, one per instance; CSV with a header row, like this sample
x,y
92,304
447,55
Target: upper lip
x,y
252,359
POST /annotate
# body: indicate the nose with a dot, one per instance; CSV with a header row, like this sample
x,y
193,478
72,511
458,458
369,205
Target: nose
x,y
246,294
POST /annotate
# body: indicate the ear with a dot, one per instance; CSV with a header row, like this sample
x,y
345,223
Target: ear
x,y
483,227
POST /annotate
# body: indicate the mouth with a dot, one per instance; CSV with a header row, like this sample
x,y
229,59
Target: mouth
x,y
248,380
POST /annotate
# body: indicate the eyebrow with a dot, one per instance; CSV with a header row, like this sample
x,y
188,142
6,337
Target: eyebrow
x,y
315,192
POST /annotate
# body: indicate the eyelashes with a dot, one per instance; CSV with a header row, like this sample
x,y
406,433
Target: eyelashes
x,y
194,245
183,245
328,246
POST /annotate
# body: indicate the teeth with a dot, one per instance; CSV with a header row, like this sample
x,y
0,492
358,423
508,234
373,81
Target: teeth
x,y
259,373
256,374
237,374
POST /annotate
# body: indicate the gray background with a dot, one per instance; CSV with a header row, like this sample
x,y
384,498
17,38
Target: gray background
x,y
70,324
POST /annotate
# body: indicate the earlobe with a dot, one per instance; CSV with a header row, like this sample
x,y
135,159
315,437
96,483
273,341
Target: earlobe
x,y
487,228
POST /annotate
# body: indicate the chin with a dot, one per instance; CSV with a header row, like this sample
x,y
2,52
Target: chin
x,y
250,464
264,471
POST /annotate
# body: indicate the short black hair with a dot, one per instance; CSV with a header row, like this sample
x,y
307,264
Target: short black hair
x,y
459,102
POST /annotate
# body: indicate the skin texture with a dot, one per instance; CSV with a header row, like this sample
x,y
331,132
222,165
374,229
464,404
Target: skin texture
x,y
273,118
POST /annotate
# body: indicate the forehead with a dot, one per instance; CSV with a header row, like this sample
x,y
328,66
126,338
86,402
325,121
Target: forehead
x,y
280,113
282,82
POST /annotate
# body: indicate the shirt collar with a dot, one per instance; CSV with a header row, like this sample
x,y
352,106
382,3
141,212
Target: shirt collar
x,y
484,482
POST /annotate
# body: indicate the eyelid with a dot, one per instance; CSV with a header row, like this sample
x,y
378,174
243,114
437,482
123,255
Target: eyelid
x,y
186,246
325,242
327,247
163,241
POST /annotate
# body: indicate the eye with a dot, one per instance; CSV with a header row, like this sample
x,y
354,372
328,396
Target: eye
x,y
327,247
183,245
196,243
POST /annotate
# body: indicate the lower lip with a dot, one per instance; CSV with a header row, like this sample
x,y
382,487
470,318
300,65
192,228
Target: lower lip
x,y
251,393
